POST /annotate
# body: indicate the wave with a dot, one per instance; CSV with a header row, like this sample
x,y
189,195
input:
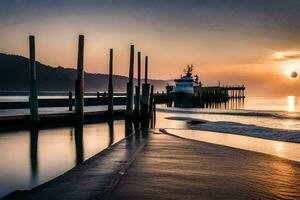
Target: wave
x,y
242,129
250,130
249,113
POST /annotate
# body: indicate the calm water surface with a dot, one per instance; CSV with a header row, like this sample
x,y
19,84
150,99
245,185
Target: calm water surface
x,y
29,158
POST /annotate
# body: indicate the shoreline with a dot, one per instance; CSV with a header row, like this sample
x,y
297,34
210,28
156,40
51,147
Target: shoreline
x,y
250,130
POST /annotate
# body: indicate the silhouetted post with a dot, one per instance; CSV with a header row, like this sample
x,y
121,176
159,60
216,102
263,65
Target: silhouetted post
x,y
136,100
150,115
154,114
33,99
138,88
145,97
98,95
79,87
110,83
129,105
70,101
146,69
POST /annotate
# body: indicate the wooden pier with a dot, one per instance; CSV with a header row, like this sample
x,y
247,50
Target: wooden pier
x,y
234,92
137,107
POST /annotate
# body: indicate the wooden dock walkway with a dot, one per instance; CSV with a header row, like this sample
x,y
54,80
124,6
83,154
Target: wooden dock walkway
x,y
162,166
11,118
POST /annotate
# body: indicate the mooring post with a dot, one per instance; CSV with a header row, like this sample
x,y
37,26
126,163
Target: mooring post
x,y
150,116
79,86
154,114
110,83
146,69
145,96
70,101
129,105
136,100
98,95
138,88
33,98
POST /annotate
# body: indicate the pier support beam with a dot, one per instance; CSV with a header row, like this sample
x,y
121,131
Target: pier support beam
x,y
110,84
33,99
145,97
151,105
70,101
146,70
79,85
138,87
129,103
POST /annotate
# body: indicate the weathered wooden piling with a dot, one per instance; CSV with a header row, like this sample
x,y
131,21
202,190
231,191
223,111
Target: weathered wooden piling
x,y
129,104
70,101
79,85
150,114
146,69
138,87
110,83
33,99
136,101
145,97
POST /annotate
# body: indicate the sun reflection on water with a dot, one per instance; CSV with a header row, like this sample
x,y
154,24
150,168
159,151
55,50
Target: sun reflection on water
x,y
291,103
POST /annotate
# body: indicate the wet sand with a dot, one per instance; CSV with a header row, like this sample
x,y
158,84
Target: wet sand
x,y
168,167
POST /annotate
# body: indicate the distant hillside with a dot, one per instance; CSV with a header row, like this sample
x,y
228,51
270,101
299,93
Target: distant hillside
x,y
14,77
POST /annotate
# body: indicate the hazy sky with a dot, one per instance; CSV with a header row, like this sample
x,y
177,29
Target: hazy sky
x,y
255,42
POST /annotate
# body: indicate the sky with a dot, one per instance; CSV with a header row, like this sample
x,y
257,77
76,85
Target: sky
x,y
251,42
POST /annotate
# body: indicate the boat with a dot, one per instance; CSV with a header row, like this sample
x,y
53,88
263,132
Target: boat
x,y
183,92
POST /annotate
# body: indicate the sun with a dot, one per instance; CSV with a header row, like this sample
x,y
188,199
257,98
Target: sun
x,y
293,74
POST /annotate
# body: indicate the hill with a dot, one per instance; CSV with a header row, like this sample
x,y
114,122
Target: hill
x,y
14,72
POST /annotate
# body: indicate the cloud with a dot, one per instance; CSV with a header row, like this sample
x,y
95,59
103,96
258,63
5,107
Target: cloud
x,y
285,55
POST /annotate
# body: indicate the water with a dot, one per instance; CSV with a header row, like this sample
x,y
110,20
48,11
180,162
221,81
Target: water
x,y
30,158
276,118
275,112
261,124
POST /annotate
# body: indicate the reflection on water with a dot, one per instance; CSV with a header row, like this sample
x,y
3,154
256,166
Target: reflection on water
x,y
79,144
34,134
230,104
291,103
29,158
111,132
